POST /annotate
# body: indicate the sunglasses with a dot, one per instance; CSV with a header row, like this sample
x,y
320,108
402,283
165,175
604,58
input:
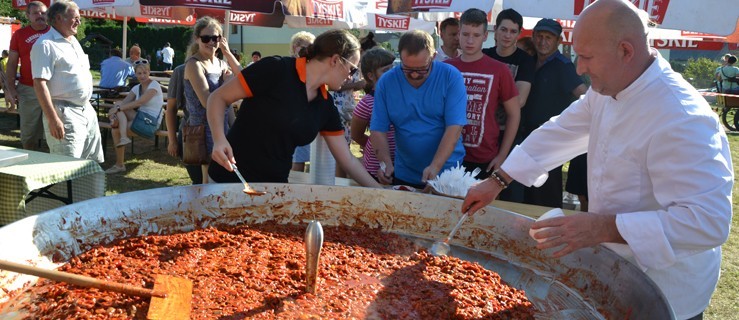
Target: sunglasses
x,y
352,68
206,39
420,72
140,61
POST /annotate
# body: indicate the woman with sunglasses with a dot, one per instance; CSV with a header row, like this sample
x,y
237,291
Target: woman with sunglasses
x,y
204,72
144,97
285,104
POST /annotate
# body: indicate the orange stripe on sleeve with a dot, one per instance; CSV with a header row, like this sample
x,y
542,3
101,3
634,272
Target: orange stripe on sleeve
x,y
245,85
332,133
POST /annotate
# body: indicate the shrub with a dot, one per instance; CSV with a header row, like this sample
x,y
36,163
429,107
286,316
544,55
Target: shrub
x,y
701,72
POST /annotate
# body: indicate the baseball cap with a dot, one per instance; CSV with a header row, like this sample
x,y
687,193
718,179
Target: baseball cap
x,y
549,25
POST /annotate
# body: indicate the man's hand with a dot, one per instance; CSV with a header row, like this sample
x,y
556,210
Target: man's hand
x,y
480,195
430,173
385,173
11,98
56,128
577,231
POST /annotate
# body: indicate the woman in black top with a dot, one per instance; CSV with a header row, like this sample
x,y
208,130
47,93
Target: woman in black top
x,y
286,104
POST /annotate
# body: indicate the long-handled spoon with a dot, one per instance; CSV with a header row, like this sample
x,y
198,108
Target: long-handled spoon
x,y
441,248
247,188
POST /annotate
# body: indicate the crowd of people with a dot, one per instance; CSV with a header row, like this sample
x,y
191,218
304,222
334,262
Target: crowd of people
x,y
650,161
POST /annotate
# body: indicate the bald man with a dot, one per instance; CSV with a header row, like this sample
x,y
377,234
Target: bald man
x,y
659,168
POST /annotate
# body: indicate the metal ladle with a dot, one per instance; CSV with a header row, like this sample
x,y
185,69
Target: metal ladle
x,y
247,188
441,248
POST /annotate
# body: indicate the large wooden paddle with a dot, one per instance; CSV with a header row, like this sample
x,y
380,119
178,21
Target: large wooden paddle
x,y
170,298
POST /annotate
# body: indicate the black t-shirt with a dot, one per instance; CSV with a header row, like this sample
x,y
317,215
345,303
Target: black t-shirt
x,y
522,67
275,118
521,64
551,92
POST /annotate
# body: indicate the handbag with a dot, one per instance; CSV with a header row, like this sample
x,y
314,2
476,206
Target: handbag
x,y
144,124
193,145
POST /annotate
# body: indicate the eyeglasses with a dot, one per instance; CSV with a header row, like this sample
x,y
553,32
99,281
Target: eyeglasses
x,y
352,68
140,61
207,39
420,72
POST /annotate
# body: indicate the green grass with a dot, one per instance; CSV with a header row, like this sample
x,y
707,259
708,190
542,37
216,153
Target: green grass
x,y
725,301
154,168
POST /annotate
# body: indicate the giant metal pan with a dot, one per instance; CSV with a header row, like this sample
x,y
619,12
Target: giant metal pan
x,y
588,284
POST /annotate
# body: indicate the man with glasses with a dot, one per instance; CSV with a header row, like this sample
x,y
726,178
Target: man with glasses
x,y
425,100
63,85
490,86
32,128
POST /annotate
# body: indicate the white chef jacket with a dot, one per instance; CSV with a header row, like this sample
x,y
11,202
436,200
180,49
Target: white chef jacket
x,y
659,159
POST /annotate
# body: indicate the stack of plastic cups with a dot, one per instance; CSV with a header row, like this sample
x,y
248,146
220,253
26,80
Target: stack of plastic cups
x,y
322,163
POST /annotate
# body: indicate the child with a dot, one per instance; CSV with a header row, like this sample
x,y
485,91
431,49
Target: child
x,y
373,64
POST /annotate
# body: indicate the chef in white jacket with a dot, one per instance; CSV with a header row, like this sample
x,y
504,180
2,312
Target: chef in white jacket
x,y
659,167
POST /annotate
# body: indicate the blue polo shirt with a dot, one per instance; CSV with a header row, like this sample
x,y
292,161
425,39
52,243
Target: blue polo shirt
x,y
114,71
420,117
551,92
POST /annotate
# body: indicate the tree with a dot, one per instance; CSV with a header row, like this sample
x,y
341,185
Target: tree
x,y
7,10
701,72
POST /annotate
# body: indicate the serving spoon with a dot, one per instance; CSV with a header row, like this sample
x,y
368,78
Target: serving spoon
x,y
247,188
441,248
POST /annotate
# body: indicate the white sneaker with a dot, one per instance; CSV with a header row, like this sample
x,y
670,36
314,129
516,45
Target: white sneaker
x,y
115,169
124,141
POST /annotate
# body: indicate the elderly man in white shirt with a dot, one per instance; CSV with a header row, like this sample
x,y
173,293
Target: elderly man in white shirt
x,y
660,174
63,85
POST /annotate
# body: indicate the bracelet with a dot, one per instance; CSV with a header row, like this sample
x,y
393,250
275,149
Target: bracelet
x,y
499,179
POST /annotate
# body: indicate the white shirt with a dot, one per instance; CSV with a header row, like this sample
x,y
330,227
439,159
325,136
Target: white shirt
x,y
154,105
657,157
167,55
64,65
441,55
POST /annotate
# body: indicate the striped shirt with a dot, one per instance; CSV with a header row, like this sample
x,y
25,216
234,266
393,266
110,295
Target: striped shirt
x,y
363,111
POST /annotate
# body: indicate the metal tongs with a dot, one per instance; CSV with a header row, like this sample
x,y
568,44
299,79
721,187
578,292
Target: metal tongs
x,y
247,188
440,248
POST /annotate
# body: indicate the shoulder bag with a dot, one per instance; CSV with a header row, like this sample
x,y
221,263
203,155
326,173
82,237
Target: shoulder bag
x,y
193,145
144,124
